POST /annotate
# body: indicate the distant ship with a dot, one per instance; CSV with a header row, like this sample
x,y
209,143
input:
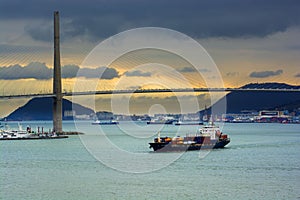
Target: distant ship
x,y
209,137
167,121
180,123
105,122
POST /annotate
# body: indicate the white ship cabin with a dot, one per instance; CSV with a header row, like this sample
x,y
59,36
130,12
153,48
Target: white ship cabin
x,y
210,130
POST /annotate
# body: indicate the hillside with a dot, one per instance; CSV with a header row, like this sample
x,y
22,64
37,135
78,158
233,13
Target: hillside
x,y
290,106
41,109
238,101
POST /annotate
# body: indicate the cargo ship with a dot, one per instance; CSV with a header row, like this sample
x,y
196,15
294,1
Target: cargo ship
x,y
208,137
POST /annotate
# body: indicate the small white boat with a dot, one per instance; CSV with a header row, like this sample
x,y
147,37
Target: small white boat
x,y
27,134
20,133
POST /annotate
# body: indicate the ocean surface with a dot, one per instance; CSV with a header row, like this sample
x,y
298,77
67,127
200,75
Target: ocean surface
x,y
115,162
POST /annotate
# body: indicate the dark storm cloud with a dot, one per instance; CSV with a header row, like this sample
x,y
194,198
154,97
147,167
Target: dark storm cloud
x,y
297,75
188,70
34,70
265,74
206,18
100,72
69,71
192,70
77,27
42,32
138,73
40,71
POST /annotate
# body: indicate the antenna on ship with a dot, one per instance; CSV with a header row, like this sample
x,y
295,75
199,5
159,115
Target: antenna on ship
x,y
205,117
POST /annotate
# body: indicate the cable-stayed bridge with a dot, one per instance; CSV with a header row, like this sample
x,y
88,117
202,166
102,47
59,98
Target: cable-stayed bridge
x,y
142,91
57,93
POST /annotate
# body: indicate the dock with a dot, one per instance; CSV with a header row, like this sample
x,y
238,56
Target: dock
x,y
35,137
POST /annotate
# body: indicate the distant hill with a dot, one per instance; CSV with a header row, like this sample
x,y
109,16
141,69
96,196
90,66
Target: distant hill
x,y
41,109
270,86
238,101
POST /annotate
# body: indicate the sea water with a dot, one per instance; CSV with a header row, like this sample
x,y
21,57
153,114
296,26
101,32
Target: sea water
x,y
262,161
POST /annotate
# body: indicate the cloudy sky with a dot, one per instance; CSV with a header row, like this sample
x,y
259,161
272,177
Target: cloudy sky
x,y
249,41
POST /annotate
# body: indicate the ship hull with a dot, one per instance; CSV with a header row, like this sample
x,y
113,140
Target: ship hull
x,y
168,146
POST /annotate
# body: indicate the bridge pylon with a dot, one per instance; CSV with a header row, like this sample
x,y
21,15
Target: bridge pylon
x,y
57,88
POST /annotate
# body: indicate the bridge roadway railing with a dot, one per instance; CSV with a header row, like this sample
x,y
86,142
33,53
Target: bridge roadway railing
x,y
140,91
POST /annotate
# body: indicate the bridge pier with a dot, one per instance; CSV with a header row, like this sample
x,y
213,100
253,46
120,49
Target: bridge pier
x,y
57,99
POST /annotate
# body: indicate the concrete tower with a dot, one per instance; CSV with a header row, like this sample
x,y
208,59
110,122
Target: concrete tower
x,y
57,101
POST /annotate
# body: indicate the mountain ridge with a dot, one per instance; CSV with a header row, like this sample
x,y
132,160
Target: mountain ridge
x,y
270,85
41,109
237,101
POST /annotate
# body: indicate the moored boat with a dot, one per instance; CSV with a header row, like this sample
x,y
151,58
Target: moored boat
x,y
27,134
209,137
32,137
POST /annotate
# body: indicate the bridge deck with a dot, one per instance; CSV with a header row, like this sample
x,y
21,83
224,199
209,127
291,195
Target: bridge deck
x,y
140,91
